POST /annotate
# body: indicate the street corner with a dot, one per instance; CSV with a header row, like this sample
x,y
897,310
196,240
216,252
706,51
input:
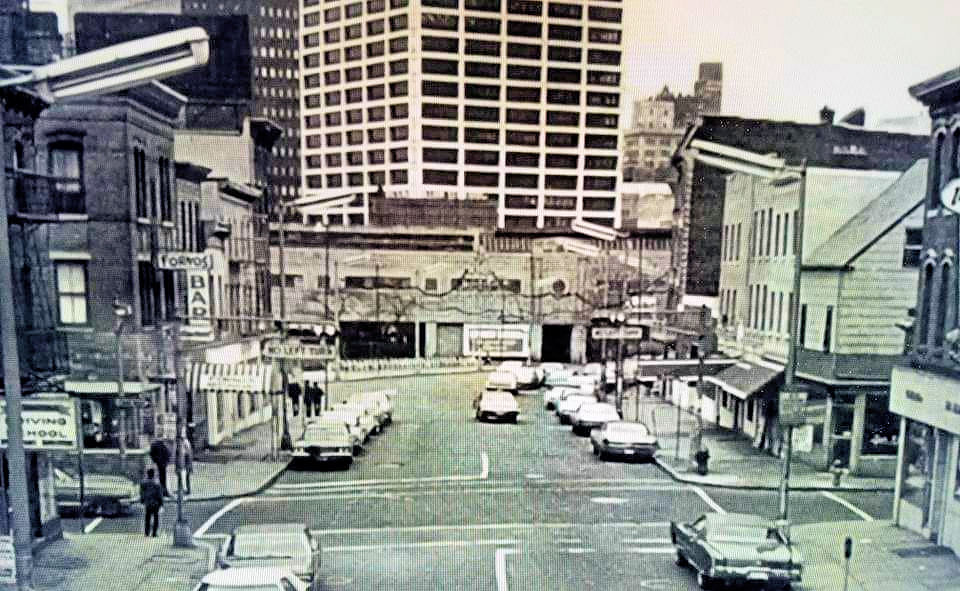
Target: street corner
x,y
175,568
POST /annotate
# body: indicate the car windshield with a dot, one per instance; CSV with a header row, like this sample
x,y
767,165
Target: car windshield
x,y
739,534
263,546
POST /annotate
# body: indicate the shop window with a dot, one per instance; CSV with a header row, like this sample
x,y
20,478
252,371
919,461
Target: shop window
x,y
881,428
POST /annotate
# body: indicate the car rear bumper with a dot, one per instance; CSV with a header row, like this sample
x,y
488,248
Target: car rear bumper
x,y
641,451
751,574
323,455
497,415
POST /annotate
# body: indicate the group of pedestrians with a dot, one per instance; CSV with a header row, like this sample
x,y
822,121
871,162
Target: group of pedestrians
x,y
152,491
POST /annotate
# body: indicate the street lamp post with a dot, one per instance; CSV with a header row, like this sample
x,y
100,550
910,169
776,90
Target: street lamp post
x,y
286,441
121,312
789,376
182,533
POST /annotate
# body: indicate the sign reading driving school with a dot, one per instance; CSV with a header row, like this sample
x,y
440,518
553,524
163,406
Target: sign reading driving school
x,y
48,423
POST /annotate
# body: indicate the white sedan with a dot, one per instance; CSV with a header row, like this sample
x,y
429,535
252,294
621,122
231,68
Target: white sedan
x,y
496,405
592,415
553,396
571,404
252,578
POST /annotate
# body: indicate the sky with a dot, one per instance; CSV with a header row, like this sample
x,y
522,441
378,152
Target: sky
x,y
785,59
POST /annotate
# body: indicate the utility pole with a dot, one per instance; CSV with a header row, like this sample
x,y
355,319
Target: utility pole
x,y
532,306
182,534
16,455
286,442
790,371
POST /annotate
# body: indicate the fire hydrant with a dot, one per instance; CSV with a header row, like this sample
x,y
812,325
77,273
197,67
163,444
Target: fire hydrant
x,y
838,471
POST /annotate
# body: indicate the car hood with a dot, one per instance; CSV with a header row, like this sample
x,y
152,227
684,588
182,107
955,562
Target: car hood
x,y
326,442
597,417
736,552
300,565
641,440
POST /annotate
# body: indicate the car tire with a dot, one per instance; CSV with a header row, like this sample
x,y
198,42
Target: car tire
x,y
596,450
681,560
704,581
346,463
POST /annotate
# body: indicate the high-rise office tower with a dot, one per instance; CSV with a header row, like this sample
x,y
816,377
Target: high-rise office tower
x,y
515,101
276,89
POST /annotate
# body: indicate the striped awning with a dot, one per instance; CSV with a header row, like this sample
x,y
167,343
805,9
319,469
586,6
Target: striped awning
x,y
240,377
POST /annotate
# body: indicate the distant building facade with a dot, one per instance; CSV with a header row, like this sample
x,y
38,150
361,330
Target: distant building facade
x,y
698,228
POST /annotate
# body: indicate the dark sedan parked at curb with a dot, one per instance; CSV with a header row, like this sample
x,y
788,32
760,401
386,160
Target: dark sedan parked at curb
x,y
738,549
103,494
624,440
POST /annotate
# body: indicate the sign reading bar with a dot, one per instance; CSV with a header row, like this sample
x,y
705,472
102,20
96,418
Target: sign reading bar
x,y
612,332
311,351
48,423
185,261
198,307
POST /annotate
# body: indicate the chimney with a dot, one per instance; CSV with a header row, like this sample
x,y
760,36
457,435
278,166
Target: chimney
x,y
826,115
856,117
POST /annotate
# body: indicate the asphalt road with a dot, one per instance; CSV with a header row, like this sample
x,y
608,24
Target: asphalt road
x,y
441,501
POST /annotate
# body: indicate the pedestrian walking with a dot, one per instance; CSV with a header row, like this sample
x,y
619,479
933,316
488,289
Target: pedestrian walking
x,y
186,462
160,454
151,495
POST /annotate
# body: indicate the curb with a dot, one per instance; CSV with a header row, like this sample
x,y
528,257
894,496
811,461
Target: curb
x,y
267,483
679,477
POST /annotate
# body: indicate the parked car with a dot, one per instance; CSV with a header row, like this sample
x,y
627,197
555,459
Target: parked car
x,y
368,422
587,383
103,494
570,405
623,439
385,399
552,396
349,419
592,415
373,408
325,442
561,377
502,380
496,405
286,546
527,376
737,548
591,369
550,367
252,579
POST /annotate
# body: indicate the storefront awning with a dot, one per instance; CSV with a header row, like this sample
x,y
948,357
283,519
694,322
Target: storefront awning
x,y
743,380
106,387
240,377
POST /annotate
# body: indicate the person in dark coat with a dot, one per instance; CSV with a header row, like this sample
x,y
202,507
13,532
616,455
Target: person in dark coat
x,y
151,495
160,454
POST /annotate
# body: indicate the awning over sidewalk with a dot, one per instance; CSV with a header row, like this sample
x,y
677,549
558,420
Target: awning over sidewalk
x,y
107,387
240,377
743,380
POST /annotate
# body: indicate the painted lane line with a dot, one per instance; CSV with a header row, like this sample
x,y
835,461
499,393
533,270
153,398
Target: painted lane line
x,y
481,527
416,545
669,550
706,499
847,505
220,513
413,482
92,525
484,466
642,541
500,567
330,495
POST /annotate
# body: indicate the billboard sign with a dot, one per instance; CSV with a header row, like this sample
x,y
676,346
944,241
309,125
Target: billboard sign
x,y
48,423
496,340
297,351
612,332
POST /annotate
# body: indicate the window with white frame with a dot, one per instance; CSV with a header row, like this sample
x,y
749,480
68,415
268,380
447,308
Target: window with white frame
x,y
72,292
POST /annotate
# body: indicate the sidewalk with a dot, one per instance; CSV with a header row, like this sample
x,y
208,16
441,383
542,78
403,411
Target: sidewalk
x,y
885,558
734,462
119,562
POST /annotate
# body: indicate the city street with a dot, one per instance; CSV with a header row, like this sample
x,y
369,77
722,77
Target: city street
x,y
439,497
